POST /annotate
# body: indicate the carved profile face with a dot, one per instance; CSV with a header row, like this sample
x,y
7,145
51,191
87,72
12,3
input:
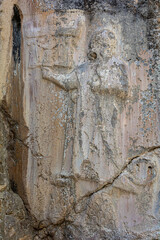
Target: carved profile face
x,y
138,187
142,171
102,45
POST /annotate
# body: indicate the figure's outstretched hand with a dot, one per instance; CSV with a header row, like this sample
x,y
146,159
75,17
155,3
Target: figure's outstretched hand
x,y
65,81
58,79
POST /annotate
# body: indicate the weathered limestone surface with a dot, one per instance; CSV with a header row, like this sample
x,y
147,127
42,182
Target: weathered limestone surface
x,y
79,119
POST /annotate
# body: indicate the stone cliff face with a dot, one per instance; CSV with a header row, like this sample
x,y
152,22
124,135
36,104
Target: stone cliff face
x,y
79,119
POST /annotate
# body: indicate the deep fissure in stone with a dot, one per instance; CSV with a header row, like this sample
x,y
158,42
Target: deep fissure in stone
x,y
17,151
16,34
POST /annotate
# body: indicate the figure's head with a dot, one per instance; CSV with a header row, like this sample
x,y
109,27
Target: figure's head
x,y
102,45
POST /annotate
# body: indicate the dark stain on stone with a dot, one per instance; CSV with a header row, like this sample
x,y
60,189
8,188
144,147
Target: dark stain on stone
x,y
157,209
124,79
98,109
114,118
1,179
70,4
16,34
108,150
13,186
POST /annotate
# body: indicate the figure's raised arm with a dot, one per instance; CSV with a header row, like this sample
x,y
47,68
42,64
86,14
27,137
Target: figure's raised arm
x,y
65,81
58,79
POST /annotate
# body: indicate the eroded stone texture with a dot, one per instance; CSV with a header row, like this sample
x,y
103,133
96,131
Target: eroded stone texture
x,y
79,96
14,220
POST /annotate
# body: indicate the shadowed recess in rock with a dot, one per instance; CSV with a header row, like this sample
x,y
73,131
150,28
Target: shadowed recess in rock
x,y
16,34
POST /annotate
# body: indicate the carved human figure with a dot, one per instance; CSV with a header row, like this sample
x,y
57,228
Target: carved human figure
x,y
69,83
58,67
54,54
115,126
63,74
103,95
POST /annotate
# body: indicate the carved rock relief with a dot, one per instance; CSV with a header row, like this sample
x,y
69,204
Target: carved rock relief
x,y
53,42
52,55
109,129
129,204
103,90
90,108
83,91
